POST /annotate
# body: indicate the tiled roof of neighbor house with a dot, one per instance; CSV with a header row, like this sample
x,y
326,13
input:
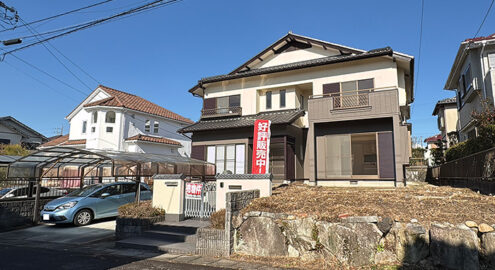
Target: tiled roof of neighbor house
x,y
146,138
440,103
133,102
492,36
297,65
435,138
276,117
62,140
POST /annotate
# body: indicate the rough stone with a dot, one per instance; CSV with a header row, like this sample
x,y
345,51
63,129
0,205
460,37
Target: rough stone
x,y
352,243
300,235
385,224
484,228
471,224
454,247
409,242
237,221
385,257
261,236
363,219
488,248
414,220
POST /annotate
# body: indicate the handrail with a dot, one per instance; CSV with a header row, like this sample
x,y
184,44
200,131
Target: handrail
x,y
236,110
362,90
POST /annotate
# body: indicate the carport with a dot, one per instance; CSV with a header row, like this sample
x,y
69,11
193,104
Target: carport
x,y
71,168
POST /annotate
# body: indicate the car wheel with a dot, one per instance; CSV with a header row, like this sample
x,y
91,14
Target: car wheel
x,y
83,217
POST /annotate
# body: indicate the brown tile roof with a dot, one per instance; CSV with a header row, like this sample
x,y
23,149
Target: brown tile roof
x,y
133,102
62,140
74,142
145,138
57,141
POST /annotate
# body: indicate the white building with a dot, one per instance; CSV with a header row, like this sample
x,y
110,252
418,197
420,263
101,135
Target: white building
x,y
109,119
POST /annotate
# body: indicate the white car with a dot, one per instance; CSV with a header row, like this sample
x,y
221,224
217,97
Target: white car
x,y
23,191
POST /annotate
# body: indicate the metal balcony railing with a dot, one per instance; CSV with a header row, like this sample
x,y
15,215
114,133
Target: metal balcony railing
x,y
219,112
351,99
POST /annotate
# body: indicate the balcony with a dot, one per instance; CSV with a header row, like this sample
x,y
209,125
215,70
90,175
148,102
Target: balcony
x,y
353,104
221,112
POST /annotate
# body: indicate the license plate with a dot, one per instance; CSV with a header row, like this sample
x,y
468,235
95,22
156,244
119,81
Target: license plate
x,y
46,217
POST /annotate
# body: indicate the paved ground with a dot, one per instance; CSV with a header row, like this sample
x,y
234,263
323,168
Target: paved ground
x,y
65,233
92,247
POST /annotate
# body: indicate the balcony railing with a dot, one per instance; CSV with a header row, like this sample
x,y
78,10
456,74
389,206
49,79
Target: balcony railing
x,y
221,112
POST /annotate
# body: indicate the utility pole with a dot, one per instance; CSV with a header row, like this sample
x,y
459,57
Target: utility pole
x,y
60,130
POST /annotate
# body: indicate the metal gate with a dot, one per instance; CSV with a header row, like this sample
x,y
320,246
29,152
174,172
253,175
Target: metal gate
x,y
200,199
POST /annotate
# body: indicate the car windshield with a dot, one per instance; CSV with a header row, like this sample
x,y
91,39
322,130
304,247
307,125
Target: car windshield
x,y
5,191
85,191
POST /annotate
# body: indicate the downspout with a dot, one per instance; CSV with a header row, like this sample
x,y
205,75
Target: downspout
x,y
483,75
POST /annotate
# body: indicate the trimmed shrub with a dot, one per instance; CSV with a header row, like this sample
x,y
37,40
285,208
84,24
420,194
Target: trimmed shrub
x,y
468,147
218,219
141,210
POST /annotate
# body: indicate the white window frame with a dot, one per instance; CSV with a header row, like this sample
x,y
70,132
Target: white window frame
x,y
84,126
147,126
156,127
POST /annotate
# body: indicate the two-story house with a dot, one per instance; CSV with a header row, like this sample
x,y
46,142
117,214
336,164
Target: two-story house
x,y
447,120
13,131
472,78
109,119
338,113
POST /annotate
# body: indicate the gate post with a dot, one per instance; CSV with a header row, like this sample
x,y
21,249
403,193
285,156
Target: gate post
x,y
168,194
36,214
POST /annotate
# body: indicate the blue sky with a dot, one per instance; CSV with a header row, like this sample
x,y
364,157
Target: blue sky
x,y
161,54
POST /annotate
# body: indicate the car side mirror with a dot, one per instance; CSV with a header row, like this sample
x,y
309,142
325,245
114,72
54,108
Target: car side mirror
x,y
104,195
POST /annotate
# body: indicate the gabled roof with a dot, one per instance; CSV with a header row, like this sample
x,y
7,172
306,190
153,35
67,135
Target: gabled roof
x,y
443,102
24,130
125,100
291,42
466,46
153,139
276,117
435,138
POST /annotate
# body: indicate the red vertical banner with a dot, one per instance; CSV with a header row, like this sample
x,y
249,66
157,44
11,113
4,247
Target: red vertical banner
x,y
261,147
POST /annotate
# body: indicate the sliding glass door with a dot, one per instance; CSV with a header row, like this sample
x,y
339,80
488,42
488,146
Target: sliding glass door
x,y
352,155
229,157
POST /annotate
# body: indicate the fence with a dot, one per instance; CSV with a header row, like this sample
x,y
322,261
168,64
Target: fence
x,y
200,199
476,172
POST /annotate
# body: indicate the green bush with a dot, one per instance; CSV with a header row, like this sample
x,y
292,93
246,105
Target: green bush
x,y
141,210
468,147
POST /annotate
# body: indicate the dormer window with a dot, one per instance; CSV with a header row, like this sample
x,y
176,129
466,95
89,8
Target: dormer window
x,y
156,126
147,126
110,117
95,117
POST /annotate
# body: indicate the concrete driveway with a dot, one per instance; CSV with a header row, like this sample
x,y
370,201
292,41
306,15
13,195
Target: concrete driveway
x,y
64,234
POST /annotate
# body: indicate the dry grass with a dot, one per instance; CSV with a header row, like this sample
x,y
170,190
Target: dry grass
x,y
426,203
142,210
218,219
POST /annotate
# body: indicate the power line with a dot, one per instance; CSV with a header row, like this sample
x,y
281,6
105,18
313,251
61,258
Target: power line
x,y
149,6
484,19
60,61
59,15
420,39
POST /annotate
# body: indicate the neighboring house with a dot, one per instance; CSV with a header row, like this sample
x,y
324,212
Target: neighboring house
x,y
472,78
15,132
432,143
338,113
446,111
110,119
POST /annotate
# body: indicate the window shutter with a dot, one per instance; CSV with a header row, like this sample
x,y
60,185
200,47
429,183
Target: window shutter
x,y
331,88
198,152
209,103
386,155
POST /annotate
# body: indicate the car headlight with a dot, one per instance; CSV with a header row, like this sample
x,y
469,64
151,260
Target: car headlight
x,y
67,205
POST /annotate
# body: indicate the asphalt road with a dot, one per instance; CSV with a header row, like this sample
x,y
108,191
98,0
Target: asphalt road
x,y
15,257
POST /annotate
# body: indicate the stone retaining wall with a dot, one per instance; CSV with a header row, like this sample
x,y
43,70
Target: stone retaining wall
x,y
364,241
212,242
129,227
416,173
17,213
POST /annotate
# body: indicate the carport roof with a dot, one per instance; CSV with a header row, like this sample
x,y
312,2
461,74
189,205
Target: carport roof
x,y
57,157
